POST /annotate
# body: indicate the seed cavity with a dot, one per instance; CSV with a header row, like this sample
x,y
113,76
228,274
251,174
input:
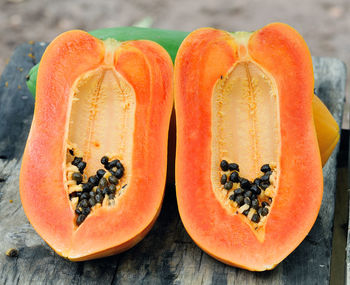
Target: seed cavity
x,y
245,142
101,120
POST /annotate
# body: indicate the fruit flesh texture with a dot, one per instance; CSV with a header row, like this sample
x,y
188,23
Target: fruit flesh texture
x,y
147,68
202,58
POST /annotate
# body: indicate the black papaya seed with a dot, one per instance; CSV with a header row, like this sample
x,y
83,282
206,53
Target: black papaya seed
x,y
248,194
265,168
255,204
264,185
119,173
234,177
86,211
265,178
255,189
87,187
80,219
105,191
239,200
77,177
256,218
84,195
81,166
112,188
92,202
228,185
104,160
233,166
239,191
93,180
103,182
264,211
113,180
224,165
245,184
77,160
99,198
100,173
84,203
113,163
120,165
223,179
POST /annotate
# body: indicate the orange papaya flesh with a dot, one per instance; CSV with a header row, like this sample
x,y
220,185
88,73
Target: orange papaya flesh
x,y
248,168
94,167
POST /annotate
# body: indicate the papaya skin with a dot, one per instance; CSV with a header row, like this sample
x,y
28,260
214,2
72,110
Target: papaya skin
x,y
326,127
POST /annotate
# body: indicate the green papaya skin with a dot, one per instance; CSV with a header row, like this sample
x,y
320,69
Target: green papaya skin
x,y
168,39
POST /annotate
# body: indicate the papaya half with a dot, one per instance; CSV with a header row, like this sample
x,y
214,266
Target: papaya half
x,y
326,126
248,168
94,166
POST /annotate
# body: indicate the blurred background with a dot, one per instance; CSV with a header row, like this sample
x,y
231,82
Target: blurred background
x,y
324,24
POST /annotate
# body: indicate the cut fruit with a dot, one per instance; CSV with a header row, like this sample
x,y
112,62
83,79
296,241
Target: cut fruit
x,y
248,169
94,168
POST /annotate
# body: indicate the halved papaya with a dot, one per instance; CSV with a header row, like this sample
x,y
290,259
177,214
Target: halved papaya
x,y
248,168
94,167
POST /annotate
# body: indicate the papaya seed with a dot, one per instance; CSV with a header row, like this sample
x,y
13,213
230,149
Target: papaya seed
x,y
234,177
77,177
81,166
113,180
100,173
265,168
224,165
76,161
233,166
264,211
228,185
255,218
104,160
80,219
223,179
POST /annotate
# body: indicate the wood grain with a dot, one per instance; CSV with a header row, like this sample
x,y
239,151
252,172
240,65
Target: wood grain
x,y
167,255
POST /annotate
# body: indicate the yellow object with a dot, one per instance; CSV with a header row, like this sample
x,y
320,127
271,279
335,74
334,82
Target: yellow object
x,y
327,129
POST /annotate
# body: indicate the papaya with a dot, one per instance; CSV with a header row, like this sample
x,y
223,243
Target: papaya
x,y
248,168
94,166
326,126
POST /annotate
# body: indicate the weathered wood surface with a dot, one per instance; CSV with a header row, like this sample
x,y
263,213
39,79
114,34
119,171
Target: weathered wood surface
x,y
167,255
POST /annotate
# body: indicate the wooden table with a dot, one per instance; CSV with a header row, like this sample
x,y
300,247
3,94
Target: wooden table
x,y
167,255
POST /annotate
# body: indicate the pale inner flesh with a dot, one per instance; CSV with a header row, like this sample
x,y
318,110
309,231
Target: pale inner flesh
x,y
101,123
245,130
